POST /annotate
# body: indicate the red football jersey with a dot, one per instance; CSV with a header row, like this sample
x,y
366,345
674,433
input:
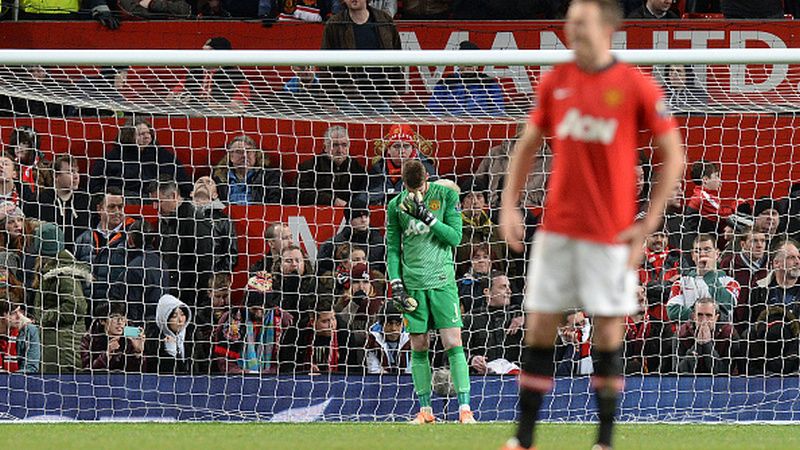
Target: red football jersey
x,y
594,120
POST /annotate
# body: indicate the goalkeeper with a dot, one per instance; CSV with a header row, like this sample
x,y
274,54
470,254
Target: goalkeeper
x,y
423,227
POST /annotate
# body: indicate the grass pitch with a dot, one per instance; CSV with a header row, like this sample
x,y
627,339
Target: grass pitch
x,y
352,436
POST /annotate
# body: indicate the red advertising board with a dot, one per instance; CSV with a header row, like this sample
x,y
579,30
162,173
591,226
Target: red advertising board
x,y
732,85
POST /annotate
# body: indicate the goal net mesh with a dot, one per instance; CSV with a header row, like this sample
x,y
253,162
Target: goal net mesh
x,y
226,225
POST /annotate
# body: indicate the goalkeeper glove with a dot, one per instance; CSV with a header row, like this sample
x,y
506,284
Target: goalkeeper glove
x,y
415,207
401,299
106,18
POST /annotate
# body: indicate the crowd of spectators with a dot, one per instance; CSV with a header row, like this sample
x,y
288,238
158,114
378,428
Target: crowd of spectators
x,y
86,286
271,11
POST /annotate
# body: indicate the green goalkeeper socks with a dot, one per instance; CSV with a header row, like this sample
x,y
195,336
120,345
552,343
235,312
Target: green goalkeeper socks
x,y
459,371
421,374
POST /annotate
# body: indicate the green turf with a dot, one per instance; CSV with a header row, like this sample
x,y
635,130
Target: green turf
x,y
215,436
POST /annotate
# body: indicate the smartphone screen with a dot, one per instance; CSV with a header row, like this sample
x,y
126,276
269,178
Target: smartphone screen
x,y
131,332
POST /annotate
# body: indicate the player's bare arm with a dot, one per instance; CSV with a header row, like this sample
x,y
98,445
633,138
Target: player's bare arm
x,y
520,165
669,149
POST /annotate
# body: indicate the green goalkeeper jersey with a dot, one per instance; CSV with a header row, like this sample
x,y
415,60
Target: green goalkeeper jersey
x,y
420,255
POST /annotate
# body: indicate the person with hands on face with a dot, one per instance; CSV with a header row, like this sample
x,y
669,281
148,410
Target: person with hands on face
x,y
423,227
706,345
704,280
574,346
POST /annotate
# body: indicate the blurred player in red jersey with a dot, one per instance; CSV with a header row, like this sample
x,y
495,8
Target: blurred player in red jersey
x,y
589,246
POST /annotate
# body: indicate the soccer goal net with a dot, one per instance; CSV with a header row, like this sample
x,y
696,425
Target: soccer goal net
x,y
199,235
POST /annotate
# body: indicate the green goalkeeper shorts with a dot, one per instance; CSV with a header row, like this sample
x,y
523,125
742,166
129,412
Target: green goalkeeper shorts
x,y
437,309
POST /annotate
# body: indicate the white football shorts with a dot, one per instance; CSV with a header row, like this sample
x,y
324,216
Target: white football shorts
x,y
566,274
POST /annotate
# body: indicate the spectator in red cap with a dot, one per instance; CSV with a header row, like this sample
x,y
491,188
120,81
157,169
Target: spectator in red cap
x,y
400,144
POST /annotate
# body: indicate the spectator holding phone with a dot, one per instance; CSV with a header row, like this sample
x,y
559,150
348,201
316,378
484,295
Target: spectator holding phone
x,y
110,344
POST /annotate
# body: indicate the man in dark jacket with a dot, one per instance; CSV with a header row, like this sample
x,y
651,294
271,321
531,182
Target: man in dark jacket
x,y
198,238
494,332
208,245
654,9
145,279
136,162
170,206
332,177
104,247
359,233
361,27
66,205
747,266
